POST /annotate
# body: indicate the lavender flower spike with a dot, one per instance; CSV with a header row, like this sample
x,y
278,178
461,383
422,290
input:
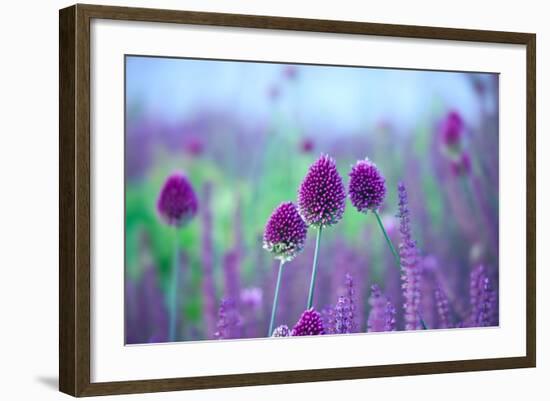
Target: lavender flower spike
x,y
322,195
343,315
228,320
367,186
284,236
285,232
309,324
382,313
177,201
410,265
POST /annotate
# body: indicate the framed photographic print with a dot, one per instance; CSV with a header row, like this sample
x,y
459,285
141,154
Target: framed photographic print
x,y
250,200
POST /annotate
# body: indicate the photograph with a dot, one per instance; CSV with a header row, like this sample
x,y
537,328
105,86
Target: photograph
x,y
268,199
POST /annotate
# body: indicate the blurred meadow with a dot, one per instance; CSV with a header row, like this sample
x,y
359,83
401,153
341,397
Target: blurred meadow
x,y
245,135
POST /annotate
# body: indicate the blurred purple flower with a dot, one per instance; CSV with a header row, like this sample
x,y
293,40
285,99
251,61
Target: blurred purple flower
x,y
281,331
228,320
285,232
309,324
177,201
367,186
462,165
274,92
410,265
450,129
322,196
290,72
194,146
307,145
382,313
252,297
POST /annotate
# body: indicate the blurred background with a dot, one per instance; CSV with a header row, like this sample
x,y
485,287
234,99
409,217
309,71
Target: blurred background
x,y
245,134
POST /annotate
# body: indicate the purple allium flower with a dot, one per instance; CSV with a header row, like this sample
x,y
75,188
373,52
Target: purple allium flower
x,y
442,304
382,313
285,232
322,196
450,129
281,331
228,320
309,324
367,186
410,265
177,202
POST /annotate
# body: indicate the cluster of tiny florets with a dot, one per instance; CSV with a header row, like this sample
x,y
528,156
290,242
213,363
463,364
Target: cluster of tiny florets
x,y
285,232
322,196
309,324
367,186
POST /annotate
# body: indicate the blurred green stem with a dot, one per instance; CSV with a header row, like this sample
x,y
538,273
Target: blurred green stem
x,y
388,241
173,304
314,269
275,298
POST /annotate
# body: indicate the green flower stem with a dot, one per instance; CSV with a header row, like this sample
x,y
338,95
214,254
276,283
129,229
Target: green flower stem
x,y
173,300
276,298
314,269
388,241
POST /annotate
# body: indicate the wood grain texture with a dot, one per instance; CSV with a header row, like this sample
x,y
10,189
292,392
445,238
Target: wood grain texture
x,y
74,198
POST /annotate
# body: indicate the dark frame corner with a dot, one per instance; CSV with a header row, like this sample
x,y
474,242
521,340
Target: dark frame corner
x,y
74,199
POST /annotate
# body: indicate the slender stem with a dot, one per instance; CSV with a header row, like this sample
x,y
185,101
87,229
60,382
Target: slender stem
x,y
422,322
173,306
393,251
275,298
314,269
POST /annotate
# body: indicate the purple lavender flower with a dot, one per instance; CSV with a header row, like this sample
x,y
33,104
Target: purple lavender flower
x,y
343,315
382,313
177,202
285,232
367,186
281,331
309,324
228,320
482,299
450,129
322,196
442,304
410,265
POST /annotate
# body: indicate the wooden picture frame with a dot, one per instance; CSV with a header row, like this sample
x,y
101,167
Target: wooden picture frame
x,y
75,206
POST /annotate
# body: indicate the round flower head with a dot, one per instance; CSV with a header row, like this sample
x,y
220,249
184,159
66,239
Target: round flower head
x,y
322,196
285,232
177,201
281,331
367,187
309,324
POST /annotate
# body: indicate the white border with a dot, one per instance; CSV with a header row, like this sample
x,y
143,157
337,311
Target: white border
x,y
111,361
